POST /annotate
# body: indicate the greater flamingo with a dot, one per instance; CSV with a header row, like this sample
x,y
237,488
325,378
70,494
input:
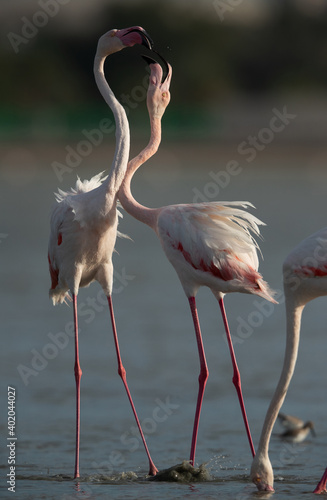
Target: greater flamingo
x,y
305,278
84,222
208,244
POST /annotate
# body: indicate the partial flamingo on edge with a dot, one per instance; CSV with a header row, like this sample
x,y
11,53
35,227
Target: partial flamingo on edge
x,y
84,222
305,278
208,244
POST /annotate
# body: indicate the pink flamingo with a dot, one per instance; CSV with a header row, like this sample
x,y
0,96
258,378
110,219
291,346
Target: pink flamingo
x,y
305,278
84,222
209,244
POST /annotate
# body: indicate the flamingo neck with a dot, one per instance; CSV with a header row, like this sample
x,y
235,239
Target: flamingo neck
x,y
119,164
140,212
293,318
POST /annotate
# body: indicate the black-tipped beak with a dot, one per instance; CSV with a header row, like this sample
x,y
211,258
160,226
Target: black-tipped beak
x,y
146,39
149,61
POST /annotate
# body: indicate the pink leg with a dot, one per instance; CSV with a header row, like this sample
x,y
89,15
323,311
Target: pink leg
x,y
236,375
321,486
203,377
122,372
78,374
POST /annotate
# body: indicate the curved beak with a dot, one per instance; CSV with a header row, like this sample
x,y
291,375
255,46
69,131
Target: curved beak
x,y
264,487
146,39
149,61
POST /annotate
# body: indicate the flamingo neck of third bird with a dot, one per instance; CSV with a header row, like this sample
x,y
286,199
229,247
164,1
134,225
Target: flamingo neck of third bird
x,y
293,317
119,164
140,212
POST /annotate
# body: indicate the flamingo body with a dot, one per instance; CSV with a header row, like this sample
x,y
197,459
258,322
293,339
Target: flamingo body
x,y
82,239
305,269
210,244
305,278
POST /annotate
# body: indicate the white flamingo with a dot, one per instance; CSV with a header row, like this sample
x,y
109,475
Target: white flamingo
x,y
209,244
84,222
305,278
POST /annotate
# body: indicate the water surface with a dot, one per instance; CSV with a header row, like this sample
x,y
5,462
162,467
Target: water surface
x,y
157,343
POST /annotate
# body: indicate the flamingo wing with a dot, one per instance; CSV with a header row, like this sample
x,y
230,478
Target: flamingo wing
x,y
217,240
208,234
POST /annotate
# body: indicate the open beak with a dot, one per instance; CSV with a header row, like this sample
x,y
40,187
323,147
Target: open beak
x,y
148,43
149,61
146,39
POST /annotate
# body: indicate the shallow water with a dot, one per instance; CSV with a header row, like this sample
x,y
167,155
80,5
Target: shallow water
x,y
157,344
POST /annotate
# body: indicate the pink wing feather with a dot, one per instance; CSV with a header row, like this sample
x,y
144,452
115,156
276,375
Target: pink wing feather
x,y
215,238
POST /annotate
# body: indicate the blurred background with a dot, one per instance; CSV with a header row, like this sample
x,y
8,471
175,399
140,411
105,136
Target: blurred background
x,y
237,65
228,57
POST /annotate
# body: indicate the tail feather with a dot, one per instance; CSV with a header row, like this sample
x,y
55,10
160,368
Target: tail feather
x,y
265,291
59,296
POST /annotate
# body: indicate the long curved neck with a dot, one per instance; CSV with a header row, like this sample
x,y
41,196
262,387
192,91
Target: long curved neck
x,y
119,164
293,318
141,213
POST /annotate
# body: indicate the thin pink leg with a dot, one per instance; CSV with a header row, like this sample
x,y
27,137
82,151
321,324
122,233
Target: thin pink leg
x,y
78,374
122,372
236,375
321,486
203,377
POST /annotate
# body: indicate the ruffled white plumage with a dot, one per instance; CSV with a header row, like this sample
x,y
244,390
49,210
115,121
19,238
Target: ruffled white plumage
x,y
81,186
215,239
207,228
86,200
82,208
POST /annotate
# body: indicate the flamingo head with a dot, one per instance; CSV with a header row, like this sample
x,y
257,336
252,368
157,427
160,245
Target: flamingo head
x,y
262,473
115,40
158,96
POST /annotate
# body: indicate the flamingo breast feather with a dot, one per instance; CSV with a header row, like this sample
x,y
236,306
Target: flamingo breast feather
x,y
87,200
83,231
